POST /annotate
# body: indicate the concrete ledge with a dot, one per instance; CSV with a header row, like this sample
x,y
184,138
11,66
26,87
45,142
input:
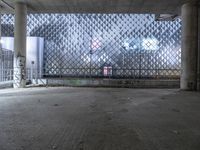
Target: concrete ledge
x,y
126,83
6,84
123,83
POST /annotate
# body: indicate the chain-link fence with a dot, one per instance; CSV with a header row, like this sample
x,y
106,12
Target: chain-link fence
x,y
6,65
105,45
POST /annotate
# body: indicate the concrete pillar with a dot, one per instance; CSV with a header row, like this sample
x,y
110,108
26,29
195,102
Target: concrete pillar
x,y
1,66
20,45
189,16
198,64
0,24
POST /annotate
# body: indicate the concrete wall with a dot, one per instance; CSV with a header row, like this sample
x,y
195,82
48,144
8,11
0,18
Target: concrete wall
x,y
6,84
93,82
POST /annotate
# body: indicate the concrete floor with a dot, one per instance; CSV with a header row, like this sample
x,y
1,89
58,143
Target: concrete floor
x,y
99,119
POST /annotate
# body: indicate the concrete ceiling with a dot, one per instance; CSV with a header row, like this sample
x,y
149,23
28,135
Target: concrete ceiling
x,y
98,6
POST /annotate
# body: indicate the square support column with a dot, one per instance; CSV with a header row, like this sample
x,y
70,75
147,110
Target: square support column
x,y
198,65
189,17
0,43
20,45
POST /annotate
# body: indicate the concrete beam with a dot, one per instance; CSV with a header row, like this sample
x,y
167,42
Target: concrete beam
x,y
189,14
20,45
101,6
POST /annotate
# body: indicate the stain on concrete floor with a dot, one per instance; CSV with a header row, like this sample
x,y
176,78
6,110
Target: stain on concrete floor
x,y
99,119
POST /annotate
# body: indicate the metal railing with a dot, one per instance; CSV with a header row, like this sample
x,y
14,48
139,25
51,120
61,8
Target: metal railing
x,y
122,73
6,65
6,75
35,77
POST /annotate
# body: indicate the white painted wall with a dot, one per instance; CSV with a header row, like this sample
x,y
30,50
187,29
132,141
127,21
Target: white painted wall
x,y
34,47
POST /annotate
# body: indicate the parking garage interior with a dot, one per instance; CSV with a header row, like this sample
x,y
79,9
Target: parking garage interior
x,y
99,75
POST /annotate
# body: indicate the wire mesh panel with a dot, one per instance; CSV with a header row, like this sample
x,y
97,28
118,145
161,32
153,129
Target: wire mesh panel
x,y
6,65
106,45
